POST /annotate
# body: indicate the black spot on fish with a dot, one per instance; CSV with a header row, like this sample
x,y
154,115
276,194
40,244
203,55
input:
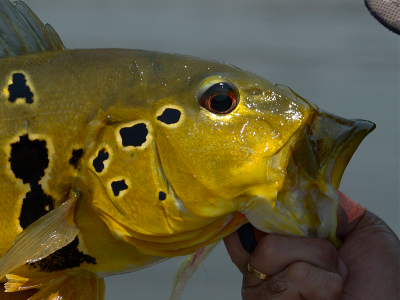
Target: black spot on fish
x,y
98,161
19,89
35,205
134,136
67,257
162,196
170,116
76,157
29,159
118,186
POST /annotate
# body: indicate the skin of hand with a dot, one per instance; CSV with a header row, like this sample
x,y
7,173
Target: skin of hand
x,y
365,267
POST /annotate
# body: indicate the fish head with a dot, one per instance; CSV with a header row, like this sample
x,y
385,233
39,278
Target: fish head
x,y
268,153
222,147
215,159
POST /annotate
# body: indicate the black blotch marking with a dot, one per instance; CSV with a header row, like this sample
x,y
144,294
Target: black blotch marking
x,y
29,159
65,258
170,116
19,89
162,196
35,205
134,136
98,161
118,186
76,157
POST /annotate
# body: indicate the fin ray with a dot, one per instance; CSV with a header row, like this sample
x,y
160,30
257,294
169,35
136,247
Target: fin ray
x,y
22,32
53,231
77,286
186,269
34,24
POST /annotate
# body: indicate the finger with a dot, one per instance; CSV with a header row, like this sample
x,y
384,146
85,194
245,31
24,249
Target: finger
x,y
342,223
274,253
238,255
299,281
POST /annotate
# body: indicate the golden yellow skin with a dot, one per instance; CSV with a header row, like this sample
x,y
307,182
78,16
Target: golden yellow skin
x,y
215,169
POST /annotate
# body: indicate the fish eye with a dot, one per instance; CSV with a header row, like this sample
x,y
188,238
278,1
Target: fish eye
x,y
220,98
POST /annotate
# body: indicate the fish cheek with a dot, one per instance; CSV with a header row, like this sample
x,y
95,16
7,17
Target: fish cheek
x,y
128,187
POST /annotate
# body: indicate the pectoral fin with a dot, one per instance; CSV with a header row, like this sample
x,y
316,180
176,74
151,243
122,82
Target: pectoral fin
x,y
77,286
186,269
48,234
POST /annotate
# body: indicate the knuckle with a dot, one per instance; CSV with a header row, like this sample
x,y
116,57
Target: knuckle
x,y
334,284
267,246
327,252
330,286
299,272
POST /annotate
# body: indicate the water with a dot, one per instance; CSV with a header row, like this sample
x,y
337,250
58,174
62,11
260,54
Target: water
x,y
330,52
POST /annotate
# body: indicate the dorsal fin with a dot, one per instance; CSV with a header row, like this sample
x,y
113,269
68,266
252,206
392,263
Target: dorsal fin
x,y
21,31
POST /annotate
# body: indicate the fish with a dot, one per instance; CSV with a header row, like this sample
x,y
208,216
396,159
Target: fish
x,y
114,160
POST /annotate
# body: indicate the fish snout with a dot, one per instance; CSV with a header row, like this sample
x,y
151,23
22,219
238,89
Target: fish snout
x,y
328,143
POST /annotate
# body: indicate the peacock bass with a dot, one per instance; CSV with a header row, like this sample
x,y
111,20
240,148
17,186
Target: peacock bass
x,y
113,160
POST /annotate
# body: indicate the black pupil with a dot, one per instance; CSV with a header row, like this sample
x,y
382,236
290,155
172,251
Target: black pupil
x,y
221,103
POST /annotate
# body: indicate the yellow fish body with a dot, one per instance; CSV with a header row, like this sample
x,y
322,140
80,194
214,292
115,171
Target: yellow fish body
x,y
113,160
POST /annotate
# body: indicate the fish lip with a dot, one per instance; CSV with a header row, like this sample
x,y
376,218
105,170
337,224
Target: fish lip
x,y
347,144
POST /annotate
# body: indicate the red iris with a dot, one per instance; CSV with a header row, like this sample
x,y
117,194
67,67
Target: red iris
x,y
220,98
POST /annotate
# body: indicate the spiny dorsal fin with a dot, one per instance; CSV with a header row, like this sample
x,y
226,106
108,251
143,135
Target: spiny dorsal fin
x,y
21,31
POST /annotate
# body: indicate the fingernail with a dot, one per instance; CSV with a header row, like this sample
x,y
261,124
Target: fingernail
x,y
343,269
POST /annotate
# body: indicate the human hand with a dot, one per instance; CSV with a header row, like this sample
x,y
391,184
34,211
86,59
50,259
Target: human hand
x,y
365,267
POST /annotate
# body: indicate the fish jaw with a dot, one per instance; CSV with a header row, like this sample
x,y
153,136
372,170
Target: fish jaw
x,y
327,145
305,203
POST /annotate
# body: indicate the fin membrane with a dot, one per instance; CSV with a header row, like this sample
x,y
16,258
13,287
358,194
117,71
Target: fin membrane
x,y
21,31
186,269
51,232
76,286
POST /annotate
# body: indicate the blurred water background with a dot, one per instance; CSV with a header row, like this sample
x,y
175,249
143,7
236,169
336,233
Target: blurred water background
x,y
331,52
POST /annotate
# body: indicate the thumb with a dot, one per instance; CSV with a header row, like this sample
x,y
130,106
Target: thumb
x,y
238,255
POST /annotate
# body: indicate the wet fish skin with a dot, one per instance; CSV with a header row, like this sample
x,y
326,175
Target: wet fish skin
x,y
122,203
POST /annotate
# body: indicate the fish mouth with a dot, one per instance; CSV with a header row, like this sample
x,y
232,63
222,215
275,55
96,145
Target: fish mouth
x,y
306,203
327,144
348,143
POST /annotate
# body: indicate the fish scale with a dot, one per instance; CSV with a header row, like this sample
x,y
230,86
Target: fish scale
x,y
113,160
